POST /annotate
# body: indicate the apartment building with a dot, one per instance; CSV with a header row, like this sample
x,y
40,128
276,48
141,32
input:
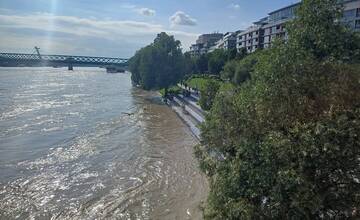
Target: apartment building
x,y
351,16
204,43
227,42
251,39
264,31
275,24
209,38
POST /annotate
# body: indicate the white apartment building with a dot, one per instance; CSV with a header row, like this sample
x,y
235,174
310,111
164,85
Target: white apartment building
x,y
264,31
227,42
251,39
204,43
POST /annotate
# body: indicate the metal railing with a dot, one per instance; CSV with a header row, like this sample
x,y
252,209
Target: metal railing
x,y
63,58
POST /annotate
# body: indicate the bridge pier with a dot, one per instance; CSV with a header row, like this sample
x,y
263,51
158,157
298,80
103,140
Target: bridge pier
x,y
70,67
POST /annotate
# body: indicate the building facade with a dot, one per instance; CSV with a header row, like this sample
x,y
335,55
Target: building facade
x,y
227,42
275,24
204,43
351,16
250,39
264,31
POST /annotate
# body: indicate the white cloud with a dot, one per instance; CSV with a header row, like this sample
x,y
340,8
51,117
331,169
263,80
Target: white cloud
x,y
37,28
78,26
142,11
235,6
181,18
146,11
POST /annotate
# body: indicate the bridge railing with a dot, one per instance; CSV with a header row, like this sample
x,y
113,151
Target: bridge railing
x,y
63,58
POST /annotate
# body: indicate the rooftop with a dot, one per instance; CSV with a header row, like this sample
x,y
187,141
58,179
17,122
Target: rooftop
x,y
286,7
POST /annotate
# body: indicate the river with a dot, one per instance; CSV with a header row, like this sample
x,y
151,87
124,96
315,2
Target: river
x,y
88,145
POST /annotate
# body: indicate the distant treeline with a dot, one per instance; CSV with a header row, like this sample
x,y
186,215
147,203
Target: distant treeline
x,y
162,63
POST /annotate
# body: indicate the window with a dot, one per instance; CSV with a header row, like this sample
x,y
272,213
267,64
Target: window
x,y
349,14
256,46
256,40
250,35
257,32
249,41
278,27
240,38
358,12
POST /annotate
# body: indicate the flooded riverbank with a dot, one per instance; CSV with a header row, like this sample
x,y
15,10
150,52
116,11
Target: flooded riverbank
x,y
87,145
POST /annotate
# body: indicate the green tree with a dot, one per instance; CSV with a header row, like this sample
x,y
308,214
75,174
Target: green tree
x,y
241,53
159,64
231,54
238,71
285,144
201,64
208,93
229,70
190,64
217,60
318,30
134,68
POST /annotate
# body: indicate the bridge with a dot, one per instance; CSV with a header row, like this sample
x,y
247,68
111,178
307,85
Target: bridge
x,y
37,59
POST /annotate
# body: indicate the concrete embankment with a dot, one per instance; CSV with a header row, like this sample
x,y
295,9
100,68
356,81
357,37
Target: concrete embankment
x,y
193,93
189,111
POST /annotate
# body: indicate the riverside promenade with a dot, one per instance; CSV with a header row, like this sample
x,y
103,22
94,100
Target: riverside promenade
x,y
188,110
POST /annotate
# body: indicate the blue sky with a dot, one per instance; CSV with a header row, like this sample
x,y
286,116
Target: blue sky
x,y
118,28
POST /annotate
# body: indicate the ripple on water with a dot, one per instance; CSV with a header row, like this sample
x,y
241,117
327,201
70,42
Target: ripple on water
x,y
103,164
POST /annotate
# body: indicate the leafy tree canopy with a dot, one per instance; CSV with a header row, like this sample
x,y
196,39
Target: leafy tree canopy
x,y
288,137
238,71
159,64
319,30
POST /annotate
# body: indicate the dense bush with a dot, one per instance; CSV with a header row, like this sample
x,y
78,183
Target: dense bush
x,y
289,135
217,60
213,62
238,71
207,93
171,91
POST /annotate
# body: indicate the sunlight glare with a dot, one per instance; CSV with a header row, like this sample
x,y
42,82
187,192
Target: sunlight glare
x,y
48,44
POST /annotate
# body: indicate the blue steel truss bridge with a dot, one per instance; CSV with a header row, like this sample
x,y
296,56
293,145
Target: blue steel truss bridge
x,y
22,59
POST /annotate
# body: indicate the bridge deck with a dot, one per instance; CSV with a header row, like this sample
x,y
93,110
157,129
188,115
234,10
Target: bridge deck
x,y
65,59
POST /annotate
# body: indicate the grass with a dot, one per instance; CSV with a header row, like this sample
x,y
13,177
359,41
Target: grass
x,y
171,90
199,82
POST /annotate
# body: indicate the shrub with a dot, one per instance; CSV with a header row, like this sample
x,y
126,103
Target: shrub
x,y
289,134
208,93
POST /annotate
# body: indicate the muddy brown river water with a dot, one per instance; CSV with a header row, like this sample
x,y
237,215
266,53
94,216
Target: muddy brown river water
x,y
88,145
